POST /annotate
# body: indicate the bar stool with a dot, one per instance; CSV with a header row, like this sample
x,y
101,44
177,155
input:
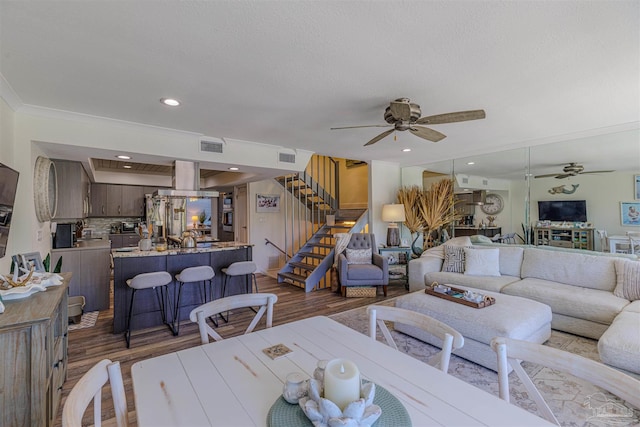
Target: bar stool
x,y
154,280
240,268
202,273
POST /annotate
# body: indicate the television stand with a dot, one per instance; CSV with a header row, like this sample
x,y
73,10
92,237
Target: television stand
x,y
564,237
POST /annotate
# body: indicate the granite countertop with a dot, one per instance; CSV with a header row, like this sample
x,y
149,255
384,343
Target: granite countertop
x,y
215,247
468,227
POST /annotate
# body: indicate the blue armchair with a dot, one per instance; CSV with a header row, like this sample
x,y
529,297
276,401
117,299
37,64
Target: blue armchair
x,y
375,273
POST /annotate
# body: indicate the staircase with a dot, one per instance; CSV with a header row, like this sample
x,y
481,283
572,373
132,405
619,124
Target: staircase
x,y
308,267
309,197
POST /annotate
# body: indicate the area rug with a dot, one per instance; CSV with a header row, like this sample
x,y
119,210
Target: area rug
x,y
88,320
573,401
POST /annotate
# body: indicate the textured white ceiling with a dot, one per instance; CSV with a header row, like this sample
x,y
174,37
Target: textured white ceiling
x,y
284,72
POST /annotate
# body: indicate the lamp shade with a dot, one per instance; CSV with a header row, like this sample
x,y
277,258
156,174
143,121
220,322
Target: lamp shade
x,y
393,212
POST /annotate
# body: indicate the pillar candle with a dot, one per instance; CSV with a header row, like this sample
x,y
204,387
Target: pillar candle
x,y
341,382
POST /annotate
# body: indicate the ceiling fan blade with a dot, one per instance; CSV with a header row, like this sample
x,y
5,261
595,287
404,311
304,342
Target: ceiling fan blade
x,y
548,175
459,116
379,137
582,173
363,126
428,134
564,175
400,110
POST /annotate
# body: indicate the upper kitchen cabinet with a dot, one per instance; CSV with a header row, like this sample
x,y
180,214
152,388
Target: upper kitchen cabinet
x,y
111,200
98,205
73,190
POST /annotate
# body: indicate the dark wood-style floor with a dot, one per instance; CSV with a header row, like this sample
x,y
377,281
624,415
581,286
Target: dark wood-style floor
x,y
90,345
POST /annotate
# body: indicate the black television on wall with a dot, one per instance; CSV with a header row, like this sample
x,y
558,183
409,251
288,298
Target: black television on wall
x,y
8,188
562,210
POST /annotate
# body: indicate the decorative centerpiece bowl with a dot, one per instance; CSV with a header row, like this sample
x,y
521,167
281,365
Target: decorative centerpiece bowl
x,y
325,413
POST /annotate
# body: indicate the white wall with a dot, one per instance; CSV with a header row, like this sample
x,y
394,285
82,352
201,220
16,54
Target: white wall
x,y
384,183
265,225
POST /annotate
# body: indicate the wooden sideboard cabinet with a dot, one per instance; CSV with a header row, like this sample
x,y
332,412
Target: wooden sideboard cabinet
x,y
563,237
33,351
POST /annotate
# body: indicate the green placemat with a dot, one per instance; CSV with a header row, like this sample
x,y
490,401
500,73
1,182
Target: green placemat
x,y
283,414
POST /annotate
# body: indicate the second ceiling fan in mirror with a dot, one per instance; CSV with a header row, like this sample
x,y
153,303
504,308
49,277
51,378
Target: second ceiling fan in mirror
x,y
403,115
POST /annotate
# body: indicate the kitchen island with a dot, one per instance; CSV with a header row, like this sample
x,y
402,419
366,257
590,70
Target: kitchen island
x,y
128,263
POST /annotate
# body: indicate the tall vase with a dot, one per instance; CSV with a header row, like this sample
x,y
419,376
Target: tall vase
x,y
415,248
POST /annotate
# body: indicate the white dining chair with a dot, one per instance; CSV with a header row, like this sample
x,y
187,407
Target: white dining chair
x,y
634,241
451,339
90,387
511,352
199,314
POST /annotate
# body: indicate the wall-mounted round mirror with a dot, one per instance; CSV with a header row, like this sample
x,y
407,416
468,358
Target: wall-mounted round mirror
x,y
45,189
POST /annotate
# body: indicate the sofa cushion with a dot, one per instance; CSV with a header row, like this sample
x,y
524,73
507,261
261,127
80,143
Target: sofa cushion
x,y
628,279
634,307
453,259
481,262
580,302
619,346
438,251
364,272
487,283
580,270
510,258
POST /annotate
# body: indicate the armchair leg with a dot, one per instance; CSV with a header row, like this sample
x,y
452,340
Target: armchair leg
x,y
384,289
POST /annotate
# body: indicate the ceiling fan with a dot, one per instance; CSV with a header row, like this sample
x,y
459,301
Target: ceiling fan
x,y
572,169
403,115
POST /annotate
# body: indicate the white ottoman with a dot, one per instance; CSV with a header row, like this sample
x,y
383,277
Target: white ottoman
x,y
619,346
510,316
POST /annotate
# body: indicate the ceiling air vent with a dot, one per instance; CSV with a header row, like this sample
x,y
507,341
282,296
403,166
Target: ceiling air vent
x,y
485,182
465,180
211,147
287,158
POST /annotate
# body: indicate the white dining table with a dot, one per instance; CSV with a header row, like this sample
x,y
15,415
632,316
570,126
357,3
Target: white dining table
x,y
233,383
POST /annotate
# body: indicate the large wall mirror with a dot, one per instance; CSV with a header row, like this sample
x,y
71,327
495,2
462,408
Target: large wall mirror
x,y
573,170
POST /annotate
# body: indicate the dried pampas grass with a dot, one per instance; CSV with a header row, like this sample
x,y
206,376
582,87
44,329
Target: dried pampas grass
x,y
410,197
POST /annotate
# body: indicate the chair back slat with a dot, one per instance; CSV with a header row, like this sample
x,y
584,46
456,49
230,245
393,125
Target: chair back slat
x,y
88,388
511,352
452,339
200,314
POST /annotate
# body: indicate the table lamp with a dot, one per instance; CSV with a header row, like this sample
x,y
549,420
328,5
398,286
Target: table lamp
x,y
194,218
393,213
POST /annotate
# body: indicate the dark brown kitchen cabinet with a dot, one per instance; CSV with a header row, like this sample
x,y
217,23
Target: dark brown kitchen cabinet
x,y
125,240
113,200
98,205
73,190
91,273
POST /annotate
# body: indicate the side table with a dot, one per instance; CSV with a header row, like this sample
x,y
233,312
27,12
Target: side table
x,y
399,258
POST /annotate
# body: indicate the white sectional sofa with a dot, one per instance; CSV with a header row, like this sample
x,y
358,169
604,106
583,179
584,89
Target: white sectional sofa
x,y
578,286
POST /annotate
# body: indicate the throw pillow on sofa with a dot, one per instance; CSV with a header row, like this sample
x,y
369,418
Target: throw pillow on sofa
x,y
482,262
359,256
453,259
627,279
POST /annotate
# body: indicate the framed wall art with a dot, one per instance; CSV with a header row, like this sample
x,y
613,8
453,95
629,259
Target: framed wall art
x,y
636,187
31,259
630,213
267,203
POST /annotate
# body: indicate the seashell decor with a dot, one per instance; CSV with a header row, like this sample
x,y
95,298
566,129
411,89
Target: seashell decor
x,y
325,413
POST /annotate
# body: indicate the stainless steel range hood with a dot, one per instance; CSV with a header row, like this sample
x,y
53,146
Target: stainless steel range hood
x,y
186,182
479,198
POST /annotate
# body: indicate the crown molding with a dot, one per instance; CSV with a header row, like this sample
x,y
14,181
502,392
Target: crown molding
x,y
9,95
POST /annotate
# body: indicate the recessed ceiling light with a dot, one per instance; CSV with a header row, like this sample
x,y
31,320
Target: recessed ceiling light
x,y
234,169
406,150
127,166
123,157
170,102
471,163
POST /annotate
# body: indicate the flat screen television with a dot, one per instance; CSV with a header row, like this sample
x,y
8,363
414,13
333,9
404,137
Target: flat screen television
x,y
563,210
8,188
